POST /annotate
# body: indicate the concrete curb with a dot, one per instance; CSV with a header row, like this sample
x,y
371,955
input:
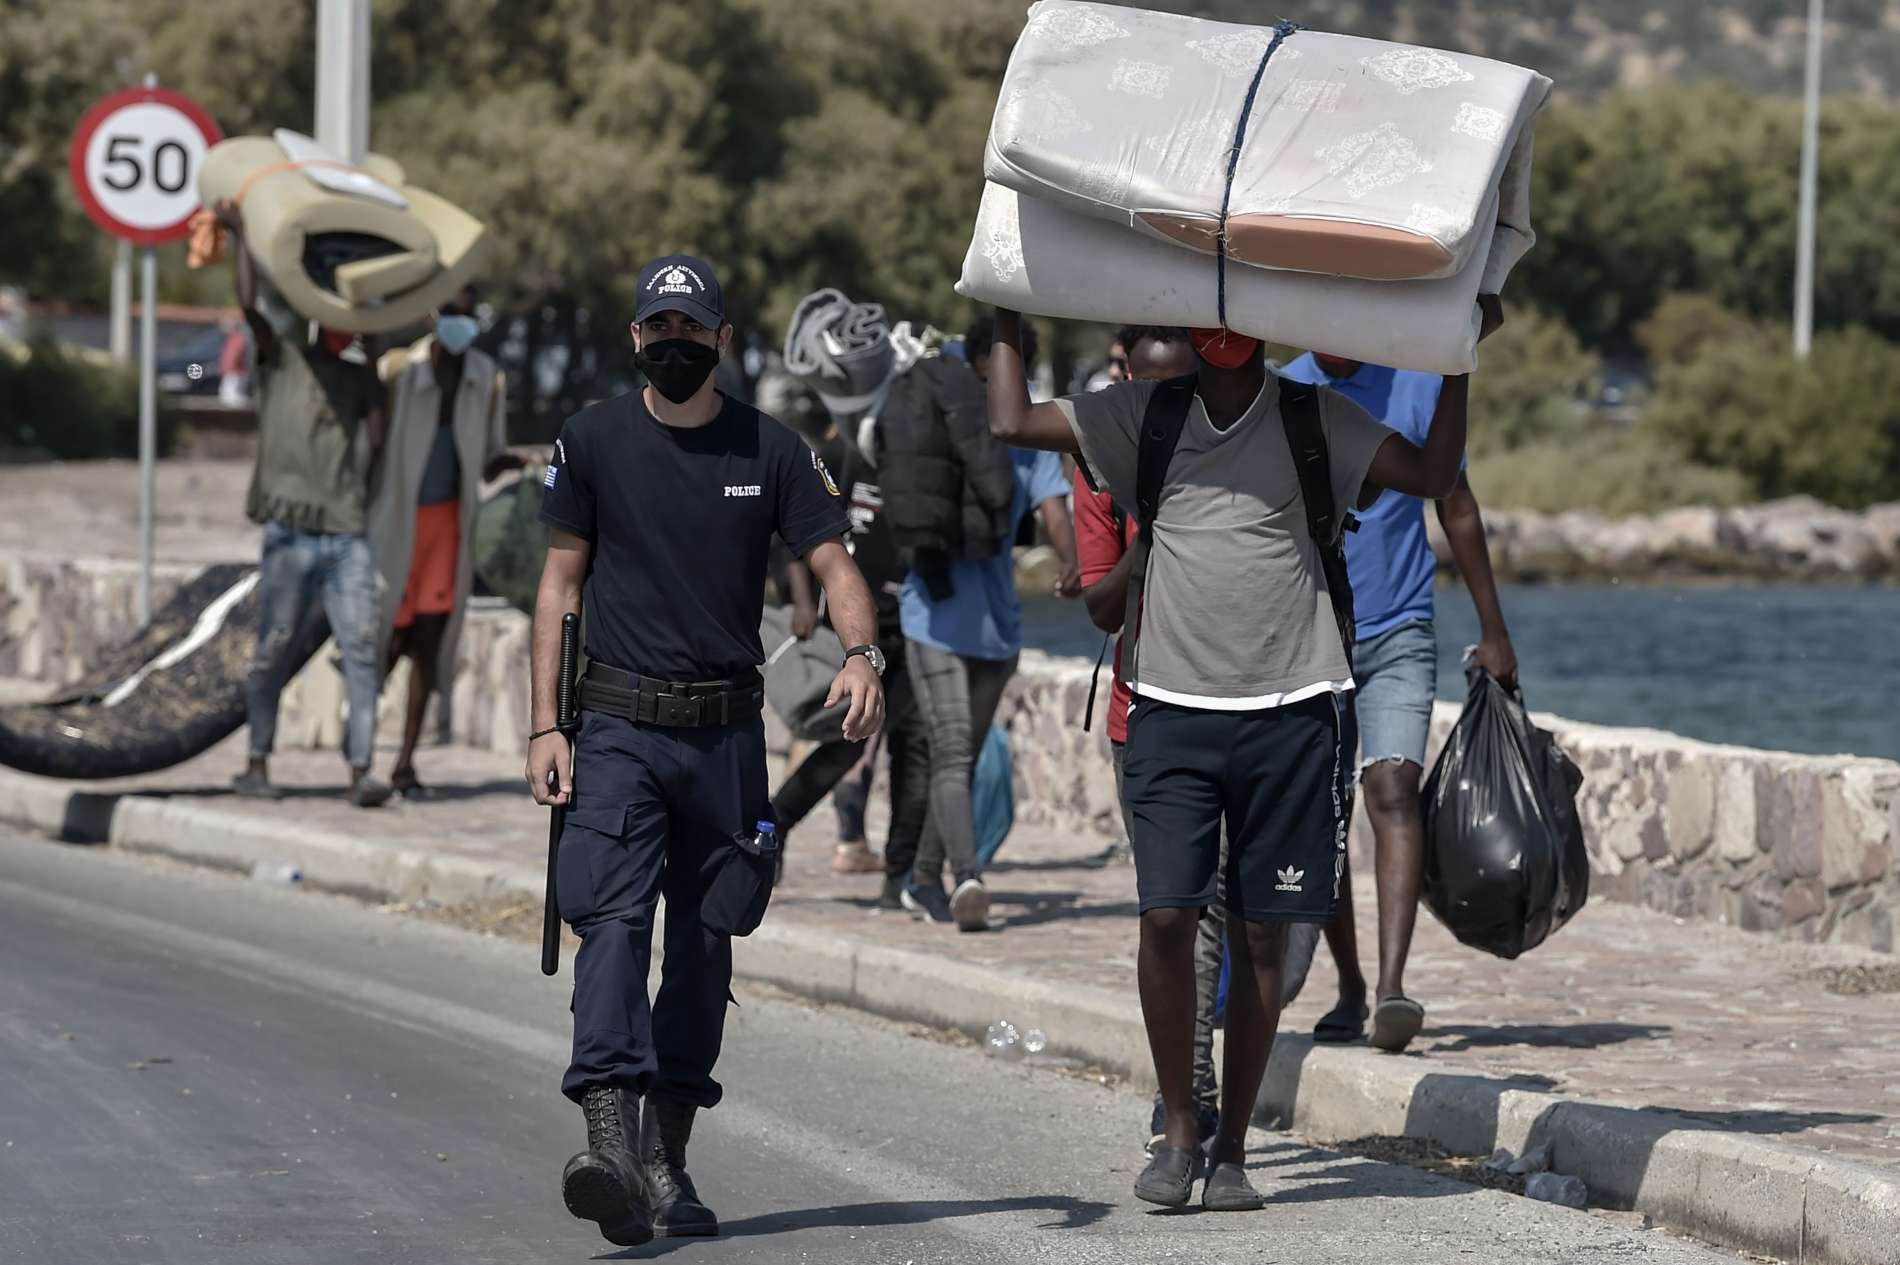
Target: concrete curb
x,y
1731,1189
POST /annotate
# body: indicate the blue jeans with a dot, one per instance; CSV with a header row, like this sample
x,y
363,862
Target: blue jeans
x,y
300,567
1397,676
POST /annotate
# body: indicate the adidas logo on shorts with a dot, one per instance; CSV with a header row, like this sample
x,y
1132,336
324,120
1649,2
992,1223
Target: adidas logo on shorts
x,y
1290,880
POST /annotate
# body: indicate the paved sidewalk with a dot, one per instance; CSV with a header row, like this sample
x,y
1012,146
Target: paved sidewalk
x,y
1750,1035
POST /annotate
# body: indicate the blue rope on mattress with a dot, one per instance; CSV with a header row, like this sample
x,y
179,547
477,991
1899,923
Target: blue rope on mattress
x,y
1280,32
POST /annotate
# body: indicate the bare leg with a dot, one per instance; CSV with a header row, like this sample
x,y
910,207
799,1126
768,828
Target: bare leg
x,y
1398,827
1165,972
1253,1016
423,646
1343,939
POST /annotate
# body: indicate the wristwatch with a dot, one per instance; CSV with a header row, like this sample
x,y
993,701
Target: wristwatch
x,y
872,655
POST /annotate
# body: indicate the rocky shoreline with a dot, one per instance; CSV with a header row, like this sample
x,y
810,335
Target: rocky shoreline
x,y
1797,539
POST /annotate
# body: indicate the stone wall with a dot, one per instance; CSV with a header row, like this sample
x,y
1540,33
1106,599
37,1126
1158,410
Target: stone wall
x,y
1800,846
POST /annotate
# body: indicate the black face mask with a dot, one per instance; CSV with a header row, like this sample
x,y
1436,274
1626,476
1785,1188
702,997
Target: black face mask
x,y
677,367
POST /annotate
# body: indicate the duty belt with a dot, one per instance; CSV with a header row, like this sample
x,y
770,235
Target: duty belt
x,y
682,704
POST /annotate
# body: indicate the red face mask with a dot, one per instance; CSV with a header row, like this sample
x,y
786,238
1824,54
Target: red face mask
x,y
1223,348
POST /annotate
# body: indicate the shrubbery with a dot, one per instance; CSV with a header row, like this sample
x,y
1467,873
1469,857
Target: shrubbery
x,y
74,408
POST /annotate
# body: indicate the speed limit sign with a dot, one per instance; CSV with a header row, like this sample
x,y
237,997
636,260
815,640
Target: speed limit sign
x,y
135,160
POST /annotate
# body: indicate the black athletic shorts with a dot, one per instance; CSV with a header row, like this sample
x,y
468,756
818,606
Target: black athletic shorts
x,y
1280,777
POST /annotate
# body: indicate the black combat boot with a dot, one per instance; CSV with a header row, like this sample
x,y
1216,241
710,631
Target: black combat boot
x,y
605,1183
677,1211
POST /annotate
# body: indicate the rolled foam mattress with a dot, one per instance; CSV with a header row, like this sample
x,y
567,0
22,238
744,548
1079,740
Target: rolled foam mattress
x,y
1361,158
354,248
1036,257
174,690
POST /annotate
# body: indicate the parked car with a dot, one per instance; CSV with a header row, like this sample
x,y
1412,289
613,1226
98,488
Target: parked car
x,y
193,370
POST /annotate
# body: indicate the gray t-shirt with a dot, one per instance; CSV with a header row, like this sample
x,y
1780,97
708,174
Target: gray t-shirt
x,y
1236,613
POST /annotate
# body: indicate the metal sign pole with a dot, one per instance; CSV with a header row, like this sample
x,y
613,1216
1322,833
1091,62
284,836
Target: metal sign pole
x,y
121,333
148,426
1810,164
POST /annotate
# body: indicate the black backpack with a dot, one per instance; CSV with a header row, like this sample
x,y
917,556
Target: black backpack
x,y
1305,436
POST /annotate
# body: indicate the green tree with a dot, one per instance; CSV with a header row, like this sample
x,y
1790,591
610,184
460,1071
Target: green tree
x,y
1535,382
1828,426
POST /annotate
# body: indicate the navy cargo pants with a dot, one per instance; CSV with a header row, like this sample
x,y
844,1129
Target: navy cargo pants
x,y
651,806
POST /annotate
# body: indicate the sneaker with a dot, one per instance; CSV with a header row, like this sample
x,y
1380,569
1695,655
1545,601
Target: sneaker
x,y
927,901
970,905
890,900
855,858
255,786
367,793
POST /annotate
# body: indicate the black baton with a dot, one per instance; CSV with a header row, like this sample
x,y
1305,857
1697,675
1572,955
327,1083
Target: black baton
x,y
564,720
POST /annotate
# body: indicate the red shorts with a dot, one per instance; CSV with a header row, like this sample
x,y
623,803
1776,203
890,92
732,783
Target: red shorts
x,y
431,587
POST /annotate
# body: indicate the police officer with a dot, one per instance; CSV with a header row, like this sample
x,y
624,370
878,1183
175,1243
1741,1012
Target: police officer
x,y
662,504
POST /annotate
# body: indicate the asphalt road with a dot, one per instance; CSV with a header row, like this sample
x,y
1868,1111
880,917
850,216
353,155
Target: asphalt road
x,y
201,1069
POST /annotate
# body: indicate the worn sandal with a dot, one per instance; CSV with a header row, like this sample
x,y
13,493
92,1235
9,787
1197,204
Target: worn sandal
x,y
1170,1176
1394,1023
1342,1025
1228,1190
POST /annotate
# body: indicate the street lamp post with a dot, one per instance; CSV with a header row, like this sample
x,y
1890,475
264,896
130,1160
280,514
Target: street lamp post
x,y
343,77
1810,164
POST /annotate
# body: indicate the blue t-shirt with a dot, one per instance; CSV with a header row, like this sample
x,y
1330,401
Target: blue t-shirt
x,y
1389,558
983,619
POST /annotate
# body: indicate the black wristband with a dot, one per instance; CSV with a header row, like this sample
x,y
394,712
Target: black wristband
x,y
542,733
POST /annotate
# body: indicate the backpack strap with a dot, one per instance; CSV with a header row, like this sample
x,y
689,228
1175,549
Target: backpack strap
x,y
1306,437
1161,427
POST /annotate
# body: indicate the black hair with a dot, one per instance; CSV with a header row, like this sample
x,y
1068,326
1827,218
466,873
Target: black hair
x,y
982,332
1129,335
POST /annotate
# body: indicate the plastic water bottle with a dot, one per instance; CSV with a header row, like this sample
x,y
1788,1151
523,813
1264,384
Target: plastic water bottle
x,y
1035,1041
764,841
279,873
1002,1041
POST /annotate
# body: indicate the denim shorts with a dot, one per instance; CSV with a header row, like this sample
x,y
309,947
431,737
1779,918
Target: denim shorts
x,y
1397,677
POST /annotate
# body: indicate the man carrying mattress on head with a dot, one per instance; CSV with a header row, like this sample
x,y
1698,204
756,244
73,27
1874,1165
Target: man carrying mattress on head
x,y
321,422
1235,653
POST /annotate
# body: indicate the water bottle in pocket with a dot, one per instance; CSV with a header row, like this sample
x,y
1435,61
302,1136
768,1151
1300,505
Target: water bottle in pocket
x,y
741,884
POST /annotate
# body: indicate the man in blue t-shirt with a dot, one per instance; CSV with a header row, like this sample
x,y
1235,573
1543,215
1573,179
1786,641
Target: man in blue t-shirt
x,y
1395,670
961,651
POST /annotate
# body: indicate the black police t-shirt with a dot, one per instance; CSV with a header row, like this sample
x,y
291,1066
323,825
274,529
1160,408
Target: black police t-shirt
x,y
872,546
681,520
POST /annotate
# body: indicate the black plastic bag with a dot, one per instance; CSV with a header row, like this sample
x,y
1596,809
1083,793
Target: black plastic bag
x,y
1505,863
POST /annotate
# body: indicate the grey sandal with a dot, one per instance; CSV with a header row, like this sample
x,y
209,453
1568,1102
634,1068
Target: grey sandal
x,y
1170,1176
1228,1190
1395,1021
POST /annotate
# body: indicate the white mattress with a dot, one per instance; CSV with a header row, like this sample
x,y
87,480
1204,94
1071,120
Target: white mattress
x,y
1129,117
1036,257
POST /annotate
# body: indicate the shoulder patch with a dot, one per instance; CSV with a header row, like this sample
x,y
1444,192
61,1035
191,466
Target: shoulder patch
x,y
818,464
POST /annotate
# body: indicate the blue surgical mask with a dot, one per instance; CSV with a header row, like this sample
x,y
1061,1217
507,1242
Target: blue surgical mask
x,y
456,333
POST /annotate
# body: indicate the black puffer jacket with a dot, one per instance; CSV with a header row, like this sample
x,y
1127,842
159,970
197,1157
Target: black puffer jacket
x,y
948,482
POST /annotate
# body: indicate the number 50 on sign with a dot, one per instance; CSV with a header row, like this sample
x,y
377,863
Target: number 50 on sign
x,y
135,159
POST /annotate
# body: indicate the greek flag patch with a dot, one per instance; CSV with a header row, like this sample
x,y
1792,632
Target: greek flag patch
x,y
547,480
